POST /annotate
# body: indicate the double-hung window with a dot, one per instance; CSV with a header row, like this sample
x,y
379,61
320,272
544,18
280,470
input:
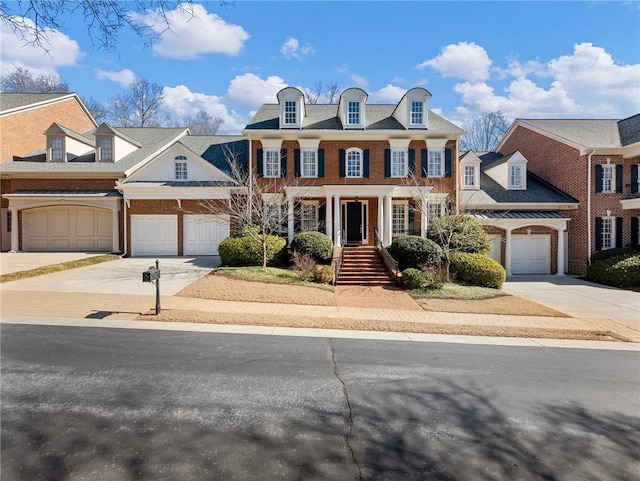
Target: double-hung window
x,y
608,178
272,163
399,220
105,146
180,167
309,163
275,216
416,113
290,117
354,163
56,148
469,179
608,233
353,113
434,210
309,216
398,163
515,177
435,163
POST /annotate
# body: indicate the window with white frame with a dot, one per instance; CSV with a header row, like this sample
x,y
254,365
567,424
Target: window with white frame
x,y
290,116
435,163
416,113
608,178
180,163
434,210
105,147
399,220
469,177
309,163
515,177
309,216
56,148
271,163
398,163
608,233
353,163
275,216
353,112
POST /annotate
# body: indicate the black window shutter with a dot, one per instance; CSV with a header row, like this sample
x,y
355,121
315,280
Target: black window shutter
x,y
634,232
412,161
387,162
598,234
321,163
423,155
322,214
296,162
341,161
411,223
619,174
619,221
283,163
634,178
365,163
260,162
447,162
598,178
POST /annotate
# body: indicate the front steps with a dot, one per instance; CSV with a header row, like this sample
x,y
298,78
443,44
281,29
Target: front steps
x,y
362,266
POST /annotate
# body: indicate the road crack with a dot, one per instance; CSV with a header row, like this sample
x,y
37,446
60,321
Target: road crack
x,y
349,434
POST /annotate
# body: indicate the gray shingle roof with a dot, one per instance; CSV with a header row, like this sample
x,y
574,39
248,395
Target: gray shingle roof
x,y
10,101
584,132
220,150
325,117
630,130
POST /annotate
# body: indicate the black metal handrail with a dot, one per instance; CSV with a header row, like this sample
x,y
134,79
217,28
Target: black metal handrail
x,y
631,191
338,265
389,261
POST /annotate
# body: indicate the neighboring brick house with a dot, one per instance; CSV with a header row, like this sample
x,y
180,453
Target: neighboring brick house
x,y
24,117
597,162
128,190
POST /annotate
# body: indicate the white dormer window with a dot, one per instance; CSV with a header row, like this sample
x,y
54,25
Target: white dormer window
x,y
516,177
416,117
180,167
351,108
469,180
353,114
290,113
398,163
56,149
105,149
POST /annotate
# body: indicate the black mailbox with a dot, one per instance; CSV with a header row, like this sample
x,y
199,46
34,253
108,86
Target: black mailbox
x,y
151,274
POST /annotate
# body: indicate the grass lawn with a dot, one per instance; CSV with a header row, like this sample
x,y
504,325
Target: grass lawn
x,y
456,291
63,266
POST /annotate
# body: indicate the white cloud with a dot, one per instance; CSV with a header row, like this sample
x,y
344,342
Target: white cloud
x,y
292,49
249,90
389,93
464,60
359,80
124,77
192,31
59,51
184,103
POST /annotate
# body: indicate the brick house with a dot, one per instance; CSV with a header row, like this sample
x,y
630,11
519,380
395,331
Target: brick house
x,y
597,163
135,191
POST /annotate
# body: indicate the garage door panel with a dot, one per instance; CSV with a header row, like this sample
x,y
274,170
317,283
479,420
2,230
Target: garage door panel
x,y
530,254
59,223
85,223
203,233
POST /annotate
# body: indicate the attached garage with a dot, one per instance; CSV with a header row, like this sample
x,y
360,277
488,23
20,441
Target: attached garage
x,y
203,233
67,228
530,254
154,235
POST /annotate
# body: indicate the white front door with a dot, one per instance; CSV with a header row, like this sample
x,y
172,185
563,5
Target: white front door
x,y
530,254
154,235
203,233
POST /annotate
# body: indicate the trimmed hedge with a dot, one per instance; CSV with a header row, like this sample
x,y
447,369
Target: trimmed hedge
x,y
477,270
619,271
618,252
415,251
460,233
413,278
247,251
316,244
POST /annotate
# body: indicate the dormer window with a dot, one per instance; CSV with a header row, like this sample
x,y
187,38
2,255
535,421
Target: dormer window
x,y
290,116
416,117
56,149
516,177
353,114
180,165
105,149
292,111
469,180
351,108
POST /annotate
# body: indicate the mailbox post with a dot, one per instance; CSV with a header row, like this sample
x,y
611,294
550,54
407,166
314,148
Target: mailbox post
x,y
152,275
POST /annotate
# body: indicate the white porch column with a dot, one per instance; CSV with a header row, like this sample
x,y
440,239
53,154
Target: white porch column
x,y
115,244
388,221
289,221
560,252
507,251
381,218
15,227
337,231
328,221
424,211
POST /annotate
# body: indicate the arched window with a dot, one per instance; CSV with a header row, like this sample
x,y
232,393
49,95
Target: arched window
x,y
353,162
180,162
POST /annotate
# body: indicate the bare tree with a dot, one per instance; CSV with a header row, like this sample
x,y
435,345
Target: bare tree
x,y
203,124
139,106
483,134
318,94
333,93
23,80
97,109
105,20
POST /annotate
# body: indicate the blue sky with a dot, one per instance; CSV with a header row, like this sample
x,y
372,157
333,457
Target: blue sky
x,y
527,59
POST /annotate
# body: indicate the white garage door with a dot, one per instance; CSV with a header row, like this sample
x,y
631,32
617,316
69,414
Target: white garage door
x,y
153,235
68,228
203,233
530,254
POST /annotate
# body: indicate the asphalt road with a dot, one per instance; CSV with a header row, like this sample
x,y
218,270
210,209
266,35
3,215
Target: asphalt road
x,y
110,404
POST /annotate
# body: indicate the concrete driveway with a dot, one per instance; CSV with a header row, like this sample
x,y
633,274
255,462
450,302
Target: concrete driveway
x,y
122,276
576,297
24,261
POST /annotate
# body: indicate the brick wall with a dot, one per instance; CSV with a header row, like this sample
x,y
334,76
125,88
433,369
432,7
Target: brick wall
x,y
23,132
